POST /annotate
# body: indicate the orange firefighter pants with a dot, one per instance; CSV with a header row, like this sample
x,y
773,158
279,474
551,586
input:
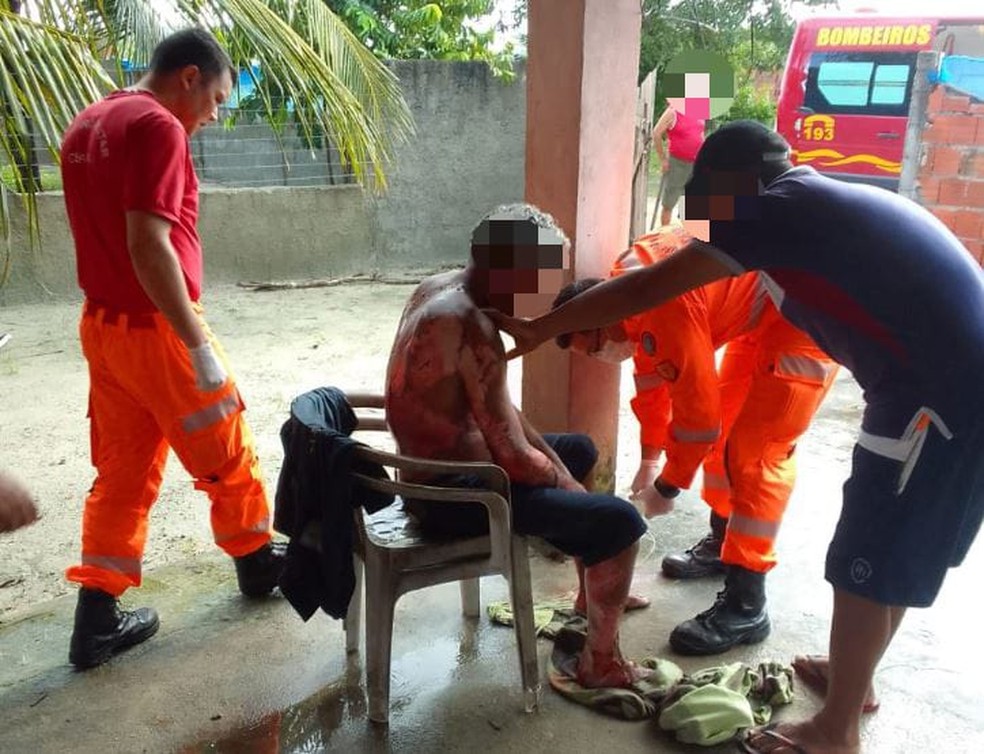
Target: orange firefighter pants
x,y
143,401
772,382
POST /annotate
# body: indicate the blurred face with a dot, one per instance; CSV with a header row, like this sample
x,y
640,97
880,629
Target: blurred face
x,y
609,344
523,267
200,97
696,99
699,84
720,196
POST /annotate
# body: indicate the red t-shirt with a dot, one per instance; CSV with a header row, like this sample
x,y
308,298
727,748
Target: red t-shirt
x,y
685,137
128,152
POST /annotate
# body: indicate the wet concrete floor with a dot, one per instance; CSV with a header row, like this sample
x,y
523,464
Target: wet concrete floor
x,y
227,675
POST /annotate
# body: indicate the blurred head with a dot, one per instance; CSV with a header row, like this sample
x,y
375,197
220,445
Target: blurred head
x,y
609,344
192,76
699,84
519,259
732,169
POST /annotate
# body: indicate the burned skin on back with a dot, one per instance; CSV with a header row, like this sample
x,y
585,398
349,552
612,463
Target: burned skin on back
x,y
446,395
426,399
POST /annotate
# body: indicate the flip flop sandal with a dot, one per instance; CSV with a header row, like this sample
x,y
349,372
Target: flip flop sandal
x,y
777,742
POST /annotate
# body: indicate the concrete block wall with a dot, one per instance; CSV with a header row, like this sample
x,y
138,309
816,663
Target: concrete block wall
x,y
274,233
467,156
951,174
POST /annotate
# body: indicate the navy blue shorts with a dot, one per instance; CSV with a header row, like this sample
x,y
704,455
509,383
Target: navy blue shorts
x,y
895,547
590,526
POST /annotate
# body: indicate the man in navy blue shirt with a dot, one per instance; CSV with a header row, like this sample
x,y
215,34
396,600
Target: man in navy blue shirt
x,y
888,291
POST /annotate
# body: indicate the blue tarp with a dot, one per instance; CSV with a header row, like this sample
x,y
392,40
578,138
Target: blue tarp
x,y
963,73
243,89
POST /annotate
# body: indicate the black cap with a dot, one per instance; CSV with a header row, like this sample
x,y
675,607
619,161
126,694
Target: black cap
x,y
740,145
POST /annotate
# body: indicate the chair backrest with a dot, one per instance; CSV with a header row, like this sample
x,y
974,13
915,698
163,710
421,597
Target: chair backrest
x,y
370,411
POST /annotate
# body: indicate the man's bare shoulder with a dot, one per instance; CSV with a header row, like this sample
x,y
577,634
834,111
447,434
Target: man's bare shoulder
x,y
442,302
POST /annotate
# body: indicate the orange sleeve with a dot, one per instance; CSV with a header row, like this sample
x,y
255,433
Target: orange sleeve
x,y
681,352
651,404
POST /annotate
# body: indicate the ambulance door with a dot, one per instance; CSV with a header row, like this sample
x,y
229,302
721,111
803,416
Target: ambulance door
x,y
852,122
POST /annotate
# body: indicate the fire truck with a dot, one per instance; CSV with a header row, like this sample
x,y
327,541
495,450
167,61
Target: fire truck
x,y
844,98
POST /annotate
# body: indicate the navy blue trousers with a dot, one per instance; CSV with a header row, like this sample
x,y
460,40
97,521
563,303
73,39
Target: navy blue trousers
x,y
590,526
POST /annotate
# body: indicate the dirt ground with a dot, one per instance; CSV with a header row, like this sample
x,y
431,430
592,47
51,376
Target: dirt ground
x,y
281,343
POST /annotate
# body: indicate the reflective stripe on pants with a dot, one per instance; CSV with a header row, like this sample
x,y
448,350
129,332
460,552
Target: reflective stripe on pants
x,y
772,383
143,401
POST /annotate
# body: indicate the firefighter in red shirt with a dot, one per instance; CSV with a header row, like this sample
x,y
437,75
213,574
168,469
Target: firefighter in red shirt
x,y
158,377
741,423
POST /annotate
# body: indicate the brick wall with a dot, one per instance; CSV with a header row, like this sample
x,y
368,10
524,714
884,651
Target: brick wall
x,y
951,173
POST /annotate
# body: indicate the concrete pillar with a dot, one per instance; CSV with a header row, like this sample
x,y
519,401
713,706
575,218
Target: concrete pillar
x,y
927,64
583,58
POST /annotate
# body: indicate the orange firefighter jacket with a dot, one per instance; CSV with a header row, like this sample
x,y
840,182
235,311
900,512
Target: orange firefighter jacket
x,y
677,400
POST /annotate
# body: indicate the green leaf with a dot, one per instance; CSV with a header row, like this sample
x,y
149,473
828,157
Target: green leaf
x,y
52,65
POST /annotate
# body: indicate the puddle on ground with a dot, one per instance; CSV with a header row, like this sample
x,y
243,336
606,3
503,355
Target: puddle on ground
x,y
305,727
319,722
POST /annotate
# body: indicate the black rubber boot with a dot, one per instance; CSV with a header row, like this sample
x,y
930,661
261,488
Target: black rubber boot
x,y
259,572
738,616
703,559
102,629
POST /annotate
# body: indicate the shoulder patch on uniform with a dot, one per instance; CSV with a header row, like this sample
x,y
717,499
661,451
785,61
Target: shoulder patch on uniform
x,y
648,343
668,370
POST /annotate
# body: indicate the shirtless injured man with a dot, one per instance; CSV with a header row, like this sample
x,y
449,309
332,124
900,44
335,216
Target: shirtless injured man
x,y
447,398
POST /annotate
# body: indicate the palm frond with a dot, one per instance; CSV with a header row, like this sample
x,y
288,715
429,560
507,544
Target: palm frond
x,y
115,30
52,65
46,77
134,28
313,67
354,64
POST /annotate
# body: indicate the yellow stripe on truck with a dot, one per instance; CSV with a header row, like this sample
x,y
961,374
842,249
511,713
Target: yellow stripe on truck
x,y
836,158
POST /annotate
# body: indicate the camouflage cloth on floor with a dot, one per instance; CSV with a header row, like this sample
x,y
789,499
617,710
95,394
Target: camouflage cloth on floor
x,y
549,616
708,707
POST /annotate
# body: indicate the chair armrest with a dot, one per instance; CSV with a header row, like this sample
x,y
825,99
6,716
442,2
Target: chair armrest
x,y
497,506
366,400
410,490
494,476
371,423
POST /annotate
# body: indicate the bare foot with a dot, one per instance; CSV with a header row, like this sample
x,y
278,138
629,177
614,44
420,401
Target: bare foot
x,y
794,738
814,672
608,671
634,602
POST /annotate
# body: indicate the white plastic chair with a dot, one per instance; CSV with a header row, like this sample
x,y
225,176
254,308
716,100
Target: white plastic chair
x,y
397,559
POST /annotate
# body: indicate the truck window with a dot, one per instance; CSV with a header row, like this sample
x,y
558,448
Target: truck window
x,y
890,85
860,83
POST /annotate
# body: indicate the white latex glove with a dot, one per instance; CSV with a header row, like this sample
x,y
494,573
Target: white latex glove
x,y
645,476
653,504
209,373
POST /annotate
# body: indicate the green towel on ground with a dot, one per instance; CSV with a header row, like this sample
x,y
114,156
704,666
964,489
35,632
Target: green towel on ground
x,y
715,704
707,716
638,703
707,707
548,616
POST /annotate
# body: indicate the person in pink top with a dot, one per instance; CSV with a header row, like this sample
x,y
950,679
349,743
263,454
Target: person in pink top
x,y
685,133
698,85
